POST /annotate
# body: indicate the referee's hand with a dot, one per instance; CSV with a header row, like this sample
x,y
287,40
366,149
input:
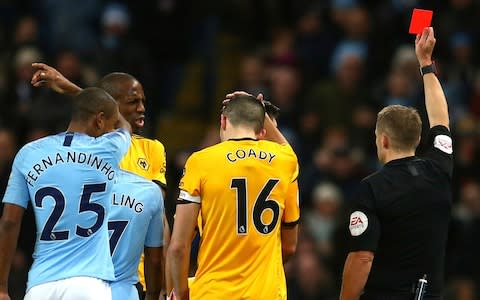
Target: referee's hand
x,y
424,44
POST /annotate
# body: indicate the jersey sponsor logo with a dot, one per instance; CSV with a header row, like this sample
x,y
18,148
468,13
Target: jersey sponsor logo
x,y
443,143
358,223
143,163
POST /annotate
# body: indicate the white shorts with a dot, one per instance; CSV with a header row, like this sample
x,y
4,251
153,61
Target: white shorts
x,y
73,288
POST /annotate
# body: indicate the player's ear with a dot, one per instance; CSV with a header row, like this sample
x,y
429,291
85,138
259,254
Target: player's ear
x,y
223,121
100,121
261,135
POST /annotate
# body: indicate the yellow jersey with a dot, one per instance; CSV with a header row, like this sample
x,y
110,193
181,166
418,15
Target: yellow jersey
x,y
146,158
246,188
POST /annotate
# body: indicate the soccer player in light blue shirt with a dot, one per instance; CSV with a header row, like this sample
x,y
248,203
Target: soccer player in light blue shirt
x,y
68,178
135,222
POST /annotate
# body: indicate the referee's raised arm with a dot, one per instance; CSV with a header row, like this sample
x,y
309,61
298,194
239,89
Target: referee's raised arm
x,y
435,100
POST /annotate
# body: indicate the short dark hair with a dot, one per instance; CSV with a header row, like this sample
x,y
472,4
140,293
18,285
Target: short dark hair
x,y
272,110
245,111
91,101
402,125
112,83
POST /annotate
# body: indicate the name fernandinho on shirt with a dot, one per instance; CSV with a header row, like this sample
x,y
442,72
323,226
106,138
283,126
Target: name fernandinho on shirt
x,y
241,154
70,157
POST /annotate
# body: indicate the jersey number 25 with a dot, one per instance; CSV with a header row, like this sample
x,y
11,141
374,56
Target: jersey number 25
x,y
85,205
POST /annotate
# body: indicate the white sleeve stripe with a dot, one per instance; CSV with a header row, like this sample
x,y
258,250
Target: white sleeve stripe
x,y
186,196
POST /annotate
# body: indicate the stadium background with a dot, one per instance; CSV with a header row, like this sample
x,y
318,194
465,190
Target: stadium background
x,y
329,66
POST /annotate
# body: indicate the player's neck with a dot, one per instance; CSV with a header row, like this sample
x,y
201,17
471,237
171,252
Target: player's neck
x,y
78,127
239,133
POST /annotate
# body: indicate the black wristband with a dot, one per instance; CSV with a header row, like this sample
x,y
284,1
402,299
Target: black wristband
x,y
428,69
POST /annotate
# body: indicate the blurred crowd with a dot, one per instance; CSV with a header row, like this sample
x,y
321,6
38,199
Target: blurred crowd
x,y
330,65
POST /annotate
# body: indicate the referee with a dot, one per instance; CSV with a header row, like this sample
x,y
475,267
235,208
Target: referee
x,y
399,219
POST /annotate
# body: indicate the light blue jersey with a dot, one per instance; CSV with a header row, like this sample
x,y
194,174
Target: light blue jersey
x,y
68,177
135,222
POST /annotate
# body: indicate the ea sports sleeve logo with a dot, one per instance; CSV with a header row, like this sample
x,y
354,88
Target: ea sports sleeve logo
x,y
358,223
443,143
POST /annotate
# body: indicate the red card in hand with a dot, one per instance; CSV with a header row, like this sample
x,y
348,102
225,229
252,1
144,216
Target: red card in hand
x,y
421,18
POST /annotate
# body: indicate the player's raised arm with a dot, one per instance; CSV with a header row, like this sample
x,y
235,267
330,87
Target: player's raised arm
x,y
123,123
271,131
48,76
435,101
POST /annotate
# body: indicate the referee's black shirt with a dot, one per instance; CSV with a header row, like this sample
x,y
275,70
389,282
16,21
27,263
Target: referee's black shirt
x,y
401,213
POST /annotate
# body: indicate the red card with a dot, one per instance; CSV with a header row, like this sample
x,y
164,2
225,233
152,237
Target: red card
x,y
421,18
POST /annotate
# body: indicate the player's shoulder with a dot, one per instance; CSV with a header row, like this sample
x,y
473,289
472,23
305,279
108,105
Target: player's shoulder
x,y
285,150
141,183
153,149
41,143
209,150
273,145
129,177
139,139
145,187
117,133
